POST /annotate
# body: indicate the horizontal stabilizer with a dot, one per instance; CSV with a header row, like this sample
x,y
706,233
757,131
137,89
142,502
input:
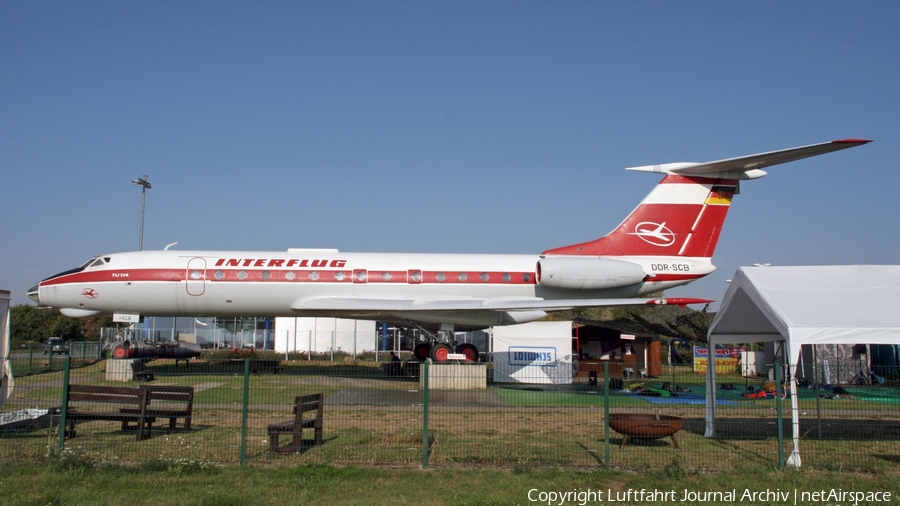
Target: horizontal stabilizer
x,y
749,167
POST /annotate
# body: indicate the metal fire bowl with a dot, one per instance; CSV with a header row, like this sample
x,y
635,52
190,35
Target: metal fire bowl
x,y
645,426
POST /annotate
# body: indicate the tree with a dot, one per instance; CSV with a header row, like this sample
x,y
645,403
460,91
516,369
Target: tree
x,y
663,320
28,323
90,327
66,328
31,323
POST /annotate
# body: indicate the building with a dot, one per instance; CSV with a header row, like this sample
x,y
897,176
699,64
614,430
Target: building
x,y
630,355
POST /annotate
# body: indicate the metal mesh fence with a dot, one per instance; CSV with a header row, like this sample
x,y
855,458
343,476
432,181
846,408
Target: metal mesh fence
x,y
34,358
442,415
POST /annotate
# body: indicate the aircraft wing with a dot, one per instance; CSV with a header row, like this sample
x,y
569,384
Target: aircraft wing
x,y
363,305
748,167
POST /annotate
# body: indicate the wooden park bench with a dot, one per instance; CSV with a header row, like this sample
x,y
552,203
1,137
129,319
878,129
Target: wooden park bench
x,y
136,398
161,403
294,427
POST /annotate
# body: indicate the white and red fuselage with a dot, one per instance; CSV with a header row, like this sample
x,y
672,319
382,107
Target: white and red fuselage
x,y
221,283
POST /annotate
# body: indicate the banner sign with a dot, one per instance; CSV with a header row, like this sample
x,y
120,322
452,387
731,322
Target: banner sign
x,y
536,352
532,356
726,359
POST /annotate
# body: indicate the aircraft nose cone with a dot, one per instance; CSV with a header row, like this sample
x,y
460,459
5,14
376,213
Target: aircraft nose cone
x,y
34,293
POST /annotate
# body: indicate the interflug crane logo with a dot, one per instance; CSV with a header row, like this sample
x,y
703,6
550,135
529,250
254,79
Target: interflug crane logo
x,y
657,234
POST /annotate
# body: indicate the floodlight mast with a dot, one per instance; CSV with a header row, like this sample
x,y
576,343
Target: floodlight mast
x,y
145,185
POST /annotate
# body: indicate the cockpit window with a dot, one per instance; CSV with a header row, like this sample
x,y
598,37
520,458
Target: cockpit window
x,y
98,262
106,259
92,262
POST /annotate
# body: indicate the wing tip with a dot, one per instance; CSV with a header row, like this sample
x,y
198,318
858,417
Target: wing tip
x,y
852,141
678,301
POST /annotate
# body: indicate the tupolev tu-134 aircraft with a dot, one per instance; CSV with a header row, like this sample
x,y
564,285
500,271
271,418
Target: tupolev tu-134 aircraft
x,y
667,241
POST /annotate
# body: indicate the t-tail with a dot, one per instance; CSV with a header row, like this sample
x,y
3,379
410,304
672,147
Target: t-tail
x,y
684,214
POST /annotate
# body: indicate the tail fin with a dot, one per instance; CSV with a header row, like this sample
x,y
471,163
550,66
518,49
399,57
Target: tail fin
x,y
682,216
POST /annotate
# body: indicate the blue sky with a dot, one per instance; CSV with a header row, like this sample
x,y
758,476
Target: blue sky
x,y
496,127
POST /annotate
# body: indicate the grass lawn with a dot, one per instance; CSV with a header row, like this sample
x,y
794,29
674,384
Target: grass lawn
x,y
74,481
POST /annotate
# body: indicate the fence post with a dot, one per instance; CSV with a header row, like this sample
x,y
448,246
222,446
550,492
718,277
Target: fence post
x,y
63,408
244,409
606,410
778,410
425,413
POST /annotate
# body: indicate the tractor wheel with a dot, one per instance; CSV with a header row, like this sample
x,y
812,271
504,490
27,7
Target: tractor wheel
x,y
120,352
439,352
422,351
469,350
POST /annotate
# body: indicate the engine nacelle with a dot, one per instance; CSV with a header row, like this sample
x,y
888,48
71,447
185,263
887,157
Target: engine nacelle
x,y
587,273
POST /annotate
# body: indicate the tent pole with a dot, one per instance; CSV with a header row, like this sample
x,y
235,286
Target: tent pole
x,y
818,399
779,414
837,354
794,459
710,391
793,365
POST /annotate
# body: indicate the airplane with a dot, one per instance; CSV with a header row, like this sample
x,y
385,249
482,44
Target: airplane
x,y
667,241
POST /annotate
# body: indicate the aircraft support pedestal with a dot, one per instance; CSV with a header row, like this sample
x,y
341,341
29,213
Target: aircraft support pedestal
x,y
455,376
120,369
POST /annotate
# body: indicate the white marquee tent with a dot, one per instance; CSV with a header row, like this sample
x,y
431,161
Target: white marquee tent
x,y
840,304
